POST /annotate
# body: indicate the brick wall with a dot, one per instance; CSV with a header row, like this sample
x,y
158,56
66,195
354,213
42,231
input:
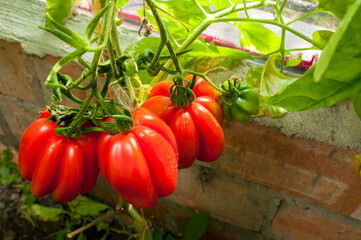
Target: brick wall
x,y
266,185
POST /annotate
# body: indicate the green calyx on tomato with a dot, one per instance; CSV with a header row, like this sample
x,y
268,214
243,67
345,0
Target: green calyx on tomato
x,y
69,123
239,101
181,94
123,121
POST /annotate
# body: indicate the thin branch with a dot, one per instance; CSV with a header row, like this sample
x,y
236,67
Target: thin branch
x,y
92,223
300,49
164,35
267,21
280,10
279,18
115,39
303,16
174,58
245,8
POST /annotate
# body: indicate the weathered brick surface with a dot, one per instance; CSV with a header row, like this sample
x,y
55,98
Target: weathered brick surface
x,y
18,114
225,200
293,222
15,79
302,168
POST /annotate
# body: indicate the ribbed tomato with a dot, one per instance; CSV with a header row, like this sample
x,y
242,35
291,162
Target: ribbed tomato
x,y
197,127
64,167
140,164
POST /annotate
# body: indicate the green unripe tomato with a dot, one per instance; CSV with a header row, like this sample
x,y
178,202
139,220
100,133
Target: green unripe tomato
x,y
240,102
227,112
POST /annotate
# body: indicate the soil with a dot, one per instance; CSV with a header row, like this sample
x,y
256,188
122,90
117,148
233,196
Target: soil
x,y
13,227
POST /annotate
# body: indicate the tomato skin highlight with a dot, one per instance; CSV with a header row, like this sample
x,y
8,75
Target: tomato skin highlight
x,y
142,164
55,164
197,127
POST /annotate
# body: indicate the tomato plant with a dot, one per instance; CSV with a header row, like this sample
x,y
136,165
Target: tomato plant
x,y
138,151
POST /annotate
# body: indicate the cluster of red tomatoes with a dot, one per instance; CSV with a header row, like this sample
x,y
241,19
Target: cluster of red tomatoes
x,y
141,164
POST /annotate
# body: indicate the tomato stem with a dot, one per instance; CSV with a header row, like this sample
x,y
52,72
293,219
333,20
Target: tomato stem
x,y
78,121
164,39
206,79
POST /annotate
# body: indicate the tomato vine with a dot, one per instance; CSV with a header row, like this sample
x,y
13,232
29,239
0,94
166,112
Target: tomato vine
x,y
184,120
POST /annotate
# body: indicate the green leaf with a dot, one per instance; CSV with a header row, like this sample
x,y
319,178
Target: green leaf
x,y
120,3
175,29
253,76
181,10
258,36
30,199
83,206
157,234
210,55
102,226
335,77
294,60
196,226
343,52
61,235
272,111
7,154
169,237
4,172
356,163
335,7
59,10
322,37
43,213
272,80
221,4
138,47
356,103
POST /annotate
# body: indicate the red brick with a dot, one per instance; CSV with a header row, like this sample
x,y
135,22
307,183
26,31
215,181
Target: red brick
x,y
302,168
15,79
224,200
292,222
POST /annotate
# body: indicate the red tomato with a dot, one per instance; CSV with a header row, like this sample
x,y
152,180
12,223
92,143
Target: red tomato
x,y
202,88
55,164
197,127
45,113
140,164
